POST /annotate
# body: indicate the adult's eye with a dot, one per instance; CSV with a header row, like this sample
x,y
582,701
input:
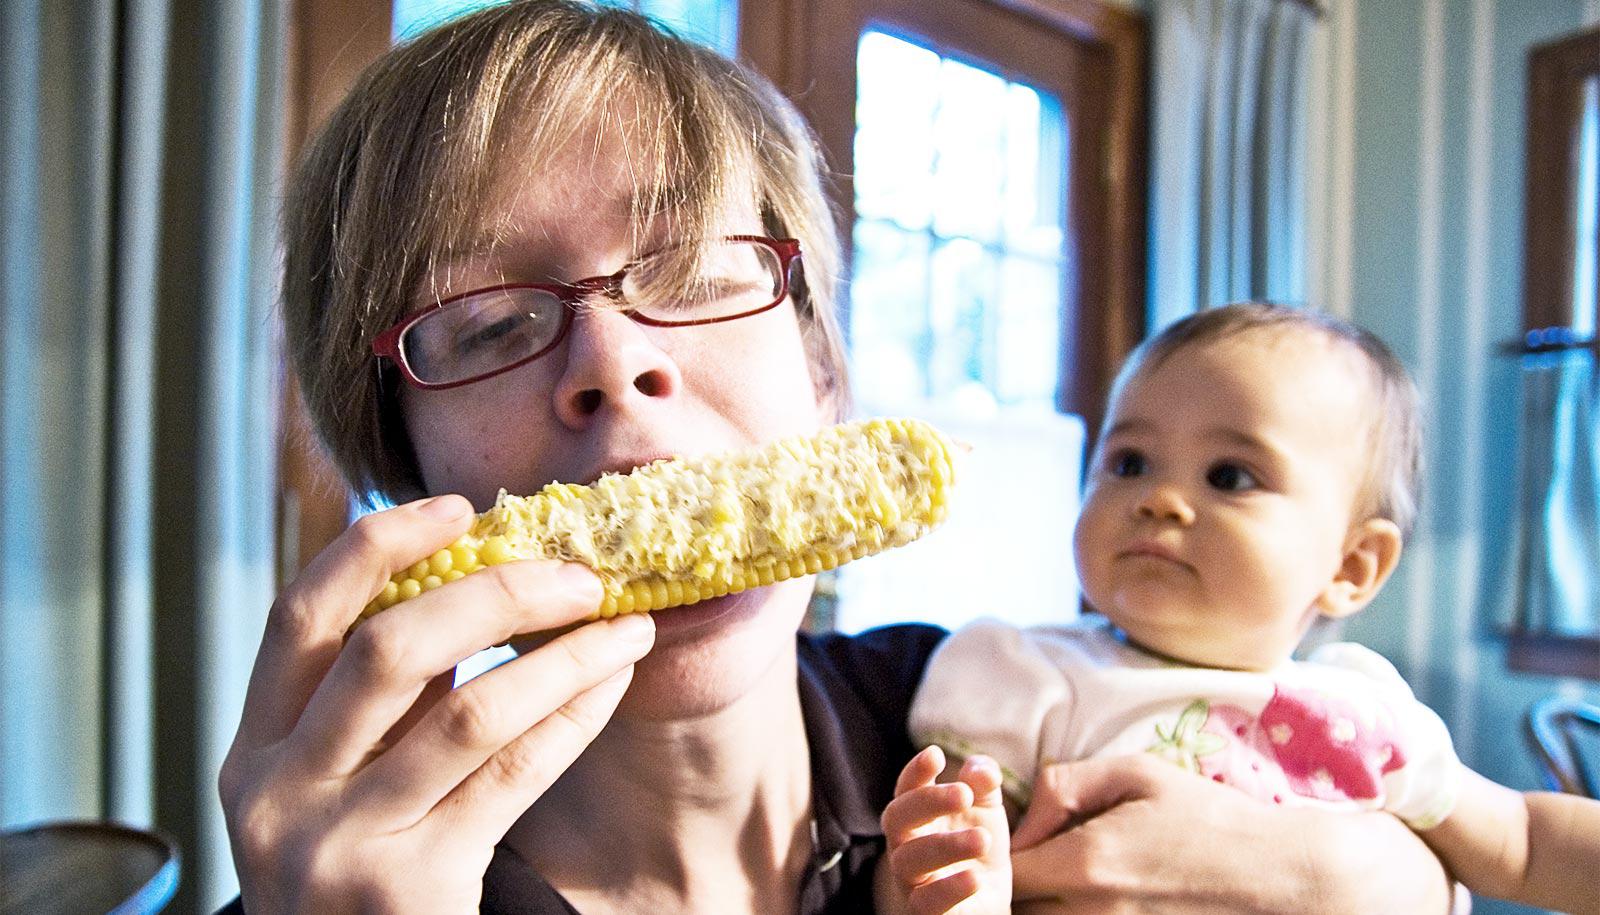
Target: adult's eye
x,y
495,334
1125,463
1230,477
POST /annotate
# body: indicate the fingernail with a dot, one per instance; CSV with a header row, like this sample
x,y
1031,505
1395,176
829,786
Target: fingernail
x,y
443,508
638,628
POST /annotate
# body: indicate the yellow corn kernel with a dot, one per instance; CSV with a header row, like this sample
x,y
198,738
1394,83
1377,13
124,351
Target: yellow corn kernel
x,y
680,531
441,563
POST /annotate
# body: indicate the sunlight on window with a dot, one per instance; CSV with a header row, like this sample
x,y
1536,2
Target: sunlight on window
x,y
956,300
1587,208
711,22
958,270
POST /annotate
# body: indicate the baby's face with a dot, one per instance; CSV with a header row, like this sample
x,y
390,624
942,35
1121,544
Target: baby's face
x,y
1221,497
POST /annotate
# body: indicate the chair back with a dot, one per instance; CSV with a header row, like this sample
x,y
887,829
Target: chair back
x,y
1564,735
86,867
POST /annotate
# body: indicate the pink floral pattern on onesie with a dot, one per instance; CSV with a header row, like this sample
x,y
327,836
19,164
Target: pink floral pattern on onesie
x,y
1303,742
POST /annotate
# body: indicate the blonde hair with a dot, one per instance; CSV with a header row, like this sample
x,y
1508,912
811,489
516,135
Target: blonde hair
x,y
401,174
1394,475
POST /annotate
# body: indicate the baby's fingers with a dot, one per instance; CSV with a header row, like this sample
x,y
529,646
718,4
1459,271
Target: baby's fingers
x,y
922,858
982,775
916,809
921,770
944,894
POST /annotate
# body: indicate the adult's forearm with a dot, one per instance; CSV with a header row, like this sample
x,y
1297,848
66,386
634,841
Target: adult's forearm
x,y
1373,862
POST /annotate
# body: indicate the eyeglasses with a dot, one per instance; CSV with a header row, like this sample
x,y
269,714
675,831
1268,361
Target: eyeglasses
x,y
478,334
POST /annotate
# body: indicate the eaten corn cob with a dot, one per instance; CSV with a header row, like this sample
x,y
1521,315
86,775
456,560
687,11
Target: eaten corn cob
x,y
679,531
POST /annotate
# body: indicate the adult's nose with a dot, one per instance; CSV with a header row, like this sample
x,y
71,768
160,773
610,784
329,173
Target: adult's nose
x,y
611,364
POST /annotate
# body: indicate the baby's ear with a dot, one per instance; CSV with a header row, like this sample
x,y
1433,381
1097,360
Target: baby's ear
x,y
1371,551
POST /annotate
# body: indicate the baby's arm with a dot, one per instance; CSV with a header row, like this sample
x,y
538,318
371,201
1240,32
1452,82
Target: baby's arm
x,y
949,845
1536,848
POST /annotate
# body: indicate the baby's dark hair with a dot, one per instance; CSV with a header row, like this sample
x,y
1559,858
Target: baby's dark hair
x,y
1394,476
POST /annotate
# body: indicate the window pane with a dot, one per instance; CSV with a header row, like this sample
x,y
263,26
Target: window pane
x,y
975,165
1585,295
889,299
1027,328
963,285
970,133
896,105
955,316
413,16
711,22
714,23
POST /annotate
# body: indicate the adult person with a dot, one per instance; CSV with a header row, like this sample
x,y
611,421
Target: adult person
x,y
706,760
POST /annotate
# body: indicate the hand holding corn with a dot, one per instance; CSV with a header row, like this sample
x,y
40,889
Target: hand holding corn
x,y
675,532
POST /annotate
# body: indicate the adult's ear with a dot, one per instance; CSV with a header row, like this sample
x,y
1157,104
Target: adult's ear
x,y
1371,551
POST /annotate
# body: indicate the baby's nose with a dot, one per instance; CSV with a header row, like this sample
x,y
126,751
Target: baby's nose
x,y
1164,502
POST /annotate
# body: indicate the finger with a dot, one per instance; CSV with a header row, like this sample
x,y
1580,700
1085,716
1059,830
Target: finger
x,y
944,894
383,668
1064,792
436,689
505,786
306,625
921,770
922,857
982,775
466,728
916,809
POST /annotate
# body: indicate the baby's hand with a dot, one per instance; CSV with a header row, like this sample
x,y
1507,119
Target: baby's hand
x,y
949,846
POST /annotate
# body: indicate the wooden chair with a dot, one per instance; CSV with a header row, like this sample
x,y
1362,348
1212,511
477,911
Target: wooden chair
x,y
86,867
1564,735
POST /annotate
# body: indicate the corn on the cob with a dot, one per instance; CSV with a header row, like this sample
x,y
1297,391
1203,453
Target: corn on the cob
x,y
679,531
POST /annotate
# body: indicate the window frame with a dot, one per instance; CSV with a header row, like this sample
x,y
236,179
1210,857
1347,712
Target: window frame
x,y
800,45
1557,72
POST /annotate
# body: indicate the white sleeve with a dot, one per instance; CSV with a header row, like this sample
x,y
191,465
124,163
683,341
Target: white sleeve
x,y
1423,789
988,688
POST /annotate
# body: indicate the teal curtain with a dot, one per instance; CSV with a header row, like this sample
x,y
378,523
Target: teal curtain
x,y
1227,153
137,406
1558,593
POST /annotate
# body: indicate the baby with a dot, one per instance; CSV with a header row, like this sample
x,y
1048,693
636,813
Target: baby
x,y
1257,471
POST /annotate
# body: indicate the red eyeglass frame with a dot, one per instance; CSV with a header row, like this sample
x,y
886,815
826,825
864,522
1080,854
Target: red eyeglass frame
x,y
387,344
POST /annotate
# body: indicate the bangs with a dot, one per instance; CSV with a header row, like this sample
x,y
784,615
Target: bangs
x,y
622,85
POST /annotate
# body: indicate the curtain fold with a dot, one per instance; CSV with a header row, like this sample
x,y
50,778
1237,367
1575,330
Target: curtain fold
x,y
137,409
1227,156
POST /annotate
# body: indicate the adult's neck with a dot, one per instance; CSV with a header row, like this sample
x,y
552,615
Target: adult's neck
x,y
708,811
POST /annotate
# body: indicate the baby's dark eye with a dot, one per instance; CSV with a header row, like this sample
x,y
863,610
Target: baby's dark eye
x,y
1230,478
1125,463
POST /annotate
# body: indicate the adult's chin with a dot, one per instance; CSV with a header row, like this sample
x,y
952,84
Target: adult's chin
x,y
710,654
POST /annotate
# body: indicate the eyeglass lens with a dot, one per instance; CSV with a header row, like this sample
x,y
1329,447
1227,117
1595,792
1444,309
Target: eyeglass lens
x,y
481,333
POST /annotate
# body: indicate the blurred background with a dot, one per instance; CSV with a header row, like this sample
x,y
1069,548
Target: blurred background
x,y
1029,186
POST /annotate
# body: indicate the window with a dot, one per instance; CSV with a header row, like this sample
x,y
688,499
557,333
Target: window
x,y
957,278
1555,627
712,22
989,159
958,265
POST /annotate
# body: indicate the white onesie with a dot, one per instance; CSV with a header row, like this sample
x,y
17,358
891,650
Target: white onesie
x,y
1341,729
